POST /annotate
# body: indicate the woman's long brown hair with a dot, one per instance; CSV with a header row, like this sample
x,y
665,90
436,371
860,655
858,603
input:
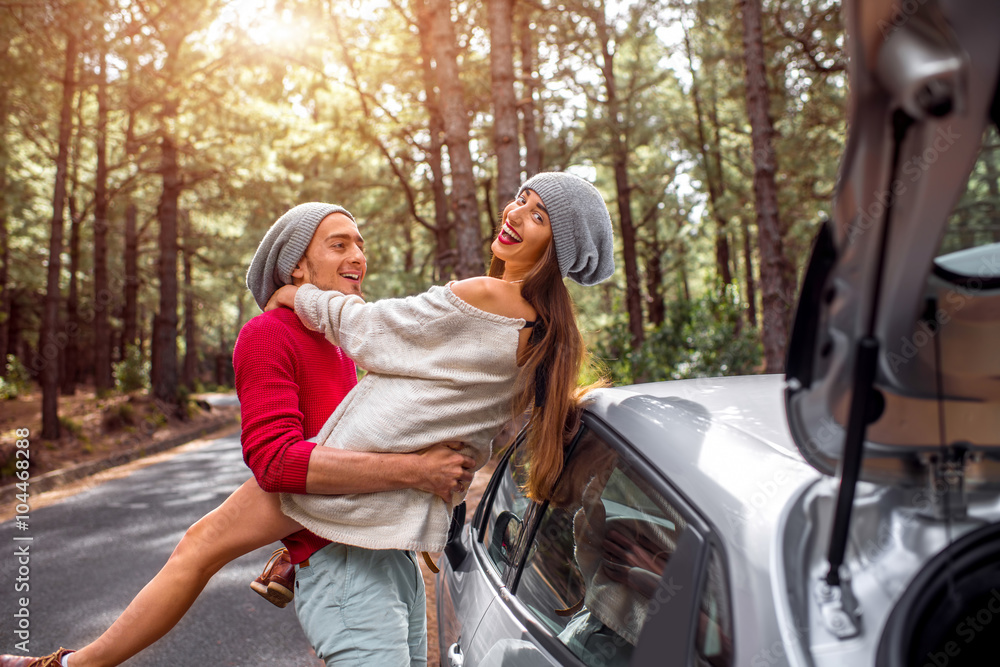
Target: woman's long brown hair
x,y
556,357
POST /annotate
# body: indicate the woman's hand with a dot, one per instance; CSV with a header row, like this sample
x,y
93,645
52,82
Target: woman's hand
x,y
284,296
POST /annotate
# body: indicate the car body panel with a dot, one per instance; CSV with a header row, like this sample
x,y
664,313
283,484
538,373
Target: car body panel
x,y
462,600
760,503
702,435
723,443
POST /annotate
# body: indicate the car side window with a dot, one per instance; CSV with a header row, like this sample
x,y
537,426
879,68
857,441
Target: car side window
x,y
598,554
506,514
714,642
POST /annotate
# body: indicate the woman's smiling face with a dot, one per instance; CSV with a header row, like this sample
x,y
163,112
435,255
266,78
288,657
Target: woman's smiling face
x,y
525,233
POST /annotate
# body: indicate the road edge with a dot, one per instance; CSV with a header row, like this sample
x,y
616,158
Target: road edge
x,y
57,478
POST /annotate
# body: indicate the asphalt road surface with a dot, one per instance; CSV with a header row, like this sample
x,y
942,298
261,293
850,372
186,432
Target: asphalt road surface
x,y
91,553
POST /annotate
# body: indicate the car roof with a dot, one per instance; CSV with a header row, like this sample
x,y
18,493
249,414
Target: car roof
x,y
723,443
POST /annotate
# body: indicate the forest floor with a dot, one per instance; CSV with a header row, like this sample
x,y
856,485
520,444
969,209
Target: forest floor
x,y
93,429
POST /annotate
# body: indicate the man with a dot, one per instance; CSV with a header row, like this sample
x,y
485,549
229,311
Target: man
x,y
289,380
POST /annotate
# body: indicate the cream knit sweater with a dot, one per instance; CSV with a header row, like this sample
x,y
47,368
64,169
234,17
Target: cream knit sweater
x,y
438,369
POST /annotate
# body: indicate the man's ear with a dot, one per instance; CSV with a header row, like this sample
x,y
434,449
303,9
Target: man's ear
x,y
298,271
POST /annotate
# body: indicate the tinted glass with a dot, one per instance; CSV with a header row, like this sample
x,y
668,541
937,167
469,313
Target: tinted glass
x,y
506,514
971,244
598,555
714,645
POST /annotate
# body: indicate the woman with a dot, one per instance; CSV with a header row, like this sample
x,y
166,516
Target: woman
x,y
451,364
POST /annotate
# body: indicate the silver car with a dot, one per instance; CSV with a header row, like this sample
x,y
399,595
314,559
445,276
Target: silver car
x,y
847,513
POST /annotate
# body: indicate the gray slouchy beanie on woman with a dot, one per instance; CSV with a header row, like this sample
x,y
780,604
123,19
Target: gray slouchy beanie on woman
x,y
581,225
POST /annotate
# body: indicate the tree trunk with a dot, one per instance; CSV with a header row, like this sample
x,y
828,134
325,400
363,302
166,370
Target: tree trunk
x,y
142,339
654,275
464,206
50,343
713,178
619,156
730,269
165,328
773,268
70,359
443,254
240,306
71,349
103,381
130,316
154,353
505,135
15,342
5,300
4,264
190,328
682,259
532,147
221,376
748,269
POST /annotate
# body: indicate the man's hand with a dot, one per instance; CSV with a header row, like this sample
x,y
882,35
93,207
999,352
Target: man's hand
x,y
442,470
284,296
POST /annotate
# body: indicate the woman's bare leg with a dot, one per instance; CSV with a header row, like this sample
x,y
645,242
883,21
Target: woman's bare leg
x,y
247,520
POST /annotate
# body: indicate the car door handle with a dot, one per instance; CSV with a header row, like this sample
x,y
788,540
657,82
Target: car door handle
x,y
455,657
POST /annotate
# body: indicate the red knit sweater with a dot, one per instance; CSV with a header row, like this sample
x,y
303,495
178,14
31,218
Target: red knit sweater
x,y
289,380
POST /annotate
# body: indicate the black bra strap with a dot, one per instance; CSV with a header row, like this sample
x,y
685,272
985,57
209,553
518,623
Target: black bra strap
x,y
529,325
542,370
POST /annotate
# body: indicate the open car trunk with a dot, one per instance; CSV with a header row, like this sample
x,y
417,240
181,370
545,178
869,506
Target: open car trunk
x,y
911,257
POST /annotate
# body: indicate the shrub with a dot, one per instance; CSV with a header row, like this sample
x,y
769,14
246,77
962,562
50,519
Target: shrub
x,y
132,372
118,416
73,428
17,380
698,338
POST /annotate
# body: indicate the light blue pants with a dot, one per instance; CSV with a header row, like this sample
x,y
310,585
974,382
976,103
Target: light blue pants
x,y
363,607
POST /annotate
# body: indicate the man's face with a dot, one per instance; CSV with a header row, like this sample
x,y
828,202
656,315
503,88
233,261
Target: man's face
x,y
335,258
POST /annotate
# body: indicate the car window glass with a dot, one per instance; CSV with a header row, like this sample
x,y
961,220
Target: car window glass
x,y
971,244
714,643
506,515
598,554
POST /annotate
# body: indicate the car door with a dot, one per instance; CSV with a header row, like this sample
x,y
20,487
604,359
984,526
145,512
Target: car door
x,y
469,583
608,572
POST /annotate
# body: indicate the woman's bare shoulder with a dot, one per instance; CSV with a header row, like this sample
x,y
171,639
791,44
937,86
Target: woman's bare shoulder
x,y
476,290
494,296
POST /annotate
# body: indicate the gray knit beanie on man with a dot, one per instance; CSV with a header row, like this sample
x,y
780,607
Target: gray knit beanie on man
x,y
283,246
581,226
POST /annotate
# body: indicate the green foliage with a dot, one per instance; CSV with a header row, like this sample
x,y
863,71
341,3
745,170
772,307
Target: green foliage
x,y
17,381
74,428
156,420
699,338
132,373
340,113
188,406
119,416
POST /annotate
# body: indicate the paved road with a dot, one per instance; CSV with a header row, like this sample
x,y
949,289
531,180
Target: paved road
x,y
92,552
222,400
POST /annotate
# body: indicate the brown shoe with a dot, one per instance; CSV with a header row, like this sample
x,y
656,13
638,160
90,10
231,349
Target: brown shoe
x,y
276,583
53,660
